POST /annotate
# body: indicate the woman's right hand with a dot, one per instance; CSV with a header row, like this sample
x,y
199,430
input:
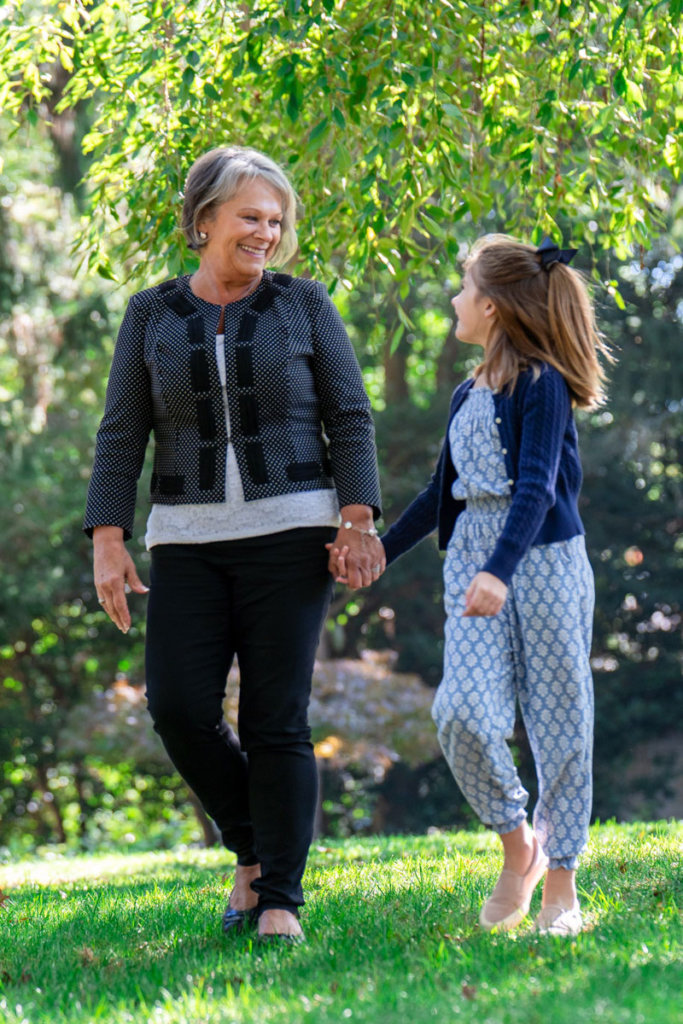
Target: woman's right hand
x,y
114,571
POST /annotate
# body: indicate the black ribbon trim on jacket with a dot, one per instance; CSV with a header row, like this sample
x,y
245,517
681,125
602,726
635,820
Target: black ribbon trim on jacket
x,y
283,280
309,470
195,330
207,468
249,415
244,364
200,379
199,370
245,331
304,470
167,484
178,303
207,424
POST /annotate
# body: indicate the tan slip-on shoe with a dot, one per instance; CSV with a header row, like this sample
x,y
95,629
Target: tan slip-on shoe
x,y
556,920
509,902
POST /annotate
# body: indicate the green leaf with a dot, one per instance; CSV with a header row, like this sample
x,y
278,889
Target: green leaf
x,y
453,111
634,93
105,271
619,82
396,337
211,92
319,130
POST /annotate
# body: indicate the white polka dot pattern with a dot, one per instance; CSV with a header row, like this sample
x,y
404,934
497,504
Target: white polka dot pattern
x,y
536,650
300,417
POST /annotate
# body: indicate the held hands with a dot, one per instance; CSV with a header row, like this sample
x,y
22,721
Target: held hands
x,y
485,595
339,568
115,574
356,555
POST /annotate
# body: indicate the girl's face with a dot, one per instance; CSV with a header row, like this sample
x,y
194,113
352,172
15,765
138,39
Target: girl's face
x,y
243,232
475,313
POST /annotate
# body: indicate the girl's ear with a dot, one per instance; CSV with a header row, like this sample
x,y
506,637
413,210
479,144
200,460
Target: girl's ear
x,y
490,310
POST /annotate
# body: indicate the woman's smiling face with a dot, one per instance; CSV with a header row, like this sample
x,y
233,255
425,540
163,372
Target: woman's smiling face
x,y
243,232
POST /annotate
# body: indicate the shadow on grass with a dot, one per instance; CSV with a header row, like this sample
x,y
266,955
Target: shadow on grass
x,y
383,919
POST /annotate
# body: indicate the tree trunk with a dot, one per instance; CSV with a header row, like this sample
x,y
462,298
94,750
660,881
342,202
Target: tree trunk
x,y
83,809
51,801
446,376
395,362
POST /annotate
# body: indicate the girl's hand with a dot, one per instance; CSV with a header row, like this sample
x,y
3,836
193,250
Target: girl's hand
x,y
115,574
485,595
364,560
337,563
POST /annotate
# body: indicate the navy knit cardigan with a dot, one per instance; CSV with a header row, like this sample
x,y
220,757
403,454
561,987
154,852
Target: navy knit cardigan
x,y
540,447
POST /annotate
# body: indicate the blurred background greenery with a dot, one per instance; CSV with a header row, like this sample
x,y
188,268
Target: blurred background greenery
x,y
79,763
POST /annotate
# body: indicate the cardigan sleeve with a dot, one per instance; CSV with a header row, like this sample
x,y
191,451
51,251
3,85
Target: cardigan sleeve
x,y
545,413
419,519
345,406
124,430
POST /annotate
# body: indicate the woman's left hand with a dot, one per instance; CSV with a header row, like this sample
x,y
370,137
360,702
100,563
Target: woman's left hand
x,y
356,555
485,595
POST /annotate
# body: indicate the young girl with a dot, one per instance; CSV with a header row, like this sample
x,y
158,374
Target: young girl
x,y
518,586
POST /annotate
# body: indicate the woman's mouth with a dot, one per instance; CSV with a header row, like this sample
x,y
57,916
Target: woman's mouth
x,y
252,251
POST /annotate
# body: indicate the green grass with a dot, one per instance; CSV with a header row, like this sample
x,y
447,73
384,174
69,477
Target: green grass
x,y
391,922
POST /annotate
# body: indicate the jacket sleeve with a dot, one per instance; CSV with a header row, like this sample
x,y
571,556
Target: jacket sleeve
x,y
419,519
545,412
345,406
123,432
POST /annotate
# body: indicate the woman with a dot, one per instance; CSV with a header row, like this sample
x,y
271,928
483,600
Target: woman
x,y
237,370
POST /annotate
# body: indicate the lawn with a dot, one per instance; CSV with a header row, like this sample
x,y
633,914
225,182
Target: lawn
x,y
391,923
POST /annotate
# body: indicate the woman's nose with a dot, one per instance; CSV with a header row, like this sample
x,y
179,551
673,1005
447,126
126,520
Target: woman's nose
x,y
265,230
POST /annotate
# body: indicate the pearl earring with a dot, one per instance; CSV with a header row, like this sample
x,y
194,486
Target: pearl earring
x,y
203,236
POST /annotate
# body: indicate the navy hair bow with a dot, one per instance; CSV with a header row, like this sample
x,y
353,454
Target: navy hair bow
x,y
551,254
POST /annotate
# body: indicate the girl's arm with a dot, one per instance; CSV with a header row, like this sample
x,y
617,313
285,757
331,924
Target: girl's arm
x,y
419,519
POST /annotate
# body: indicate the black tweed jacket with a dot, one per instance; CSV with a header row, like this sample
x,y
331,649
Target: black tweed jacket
x,y
300,418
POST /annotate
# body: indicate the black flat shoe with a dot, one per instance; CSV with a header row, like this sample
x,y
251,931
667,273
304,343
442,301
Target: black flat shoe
x,y
237,920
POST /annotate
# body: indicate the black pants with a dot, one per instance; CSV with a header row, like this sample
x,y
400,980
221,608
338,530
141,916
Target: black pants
x,y
264,599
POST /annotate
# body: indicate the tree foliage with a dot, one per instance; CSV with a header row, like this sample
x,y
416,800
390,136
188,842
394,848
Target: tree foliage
x,y
408,129
397,119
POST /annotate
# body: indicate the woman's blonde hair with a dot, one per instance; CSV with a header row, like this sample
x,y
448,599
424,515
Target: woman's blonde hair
x,y
219,175
544,315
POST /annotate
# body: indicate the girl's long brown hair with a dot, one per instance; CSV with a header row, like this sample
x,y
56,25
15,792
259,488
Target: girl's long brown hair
x,y
543,316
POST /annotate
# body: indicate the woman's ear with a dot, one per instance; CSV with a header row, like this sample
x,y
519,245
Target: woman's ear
x,y
490,310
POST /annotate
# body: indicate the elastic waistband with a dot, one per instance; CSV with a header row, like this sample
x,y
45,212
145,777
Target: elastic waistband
x,y
488,503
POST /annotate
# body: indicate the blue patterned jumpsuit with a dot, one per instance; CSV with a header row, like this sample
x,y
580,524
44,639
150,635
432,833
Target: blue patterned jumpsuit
x,y
536,650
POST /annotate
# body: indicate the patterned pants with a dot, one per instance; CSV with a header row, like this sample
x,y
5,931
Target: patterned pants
x,y
536,651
